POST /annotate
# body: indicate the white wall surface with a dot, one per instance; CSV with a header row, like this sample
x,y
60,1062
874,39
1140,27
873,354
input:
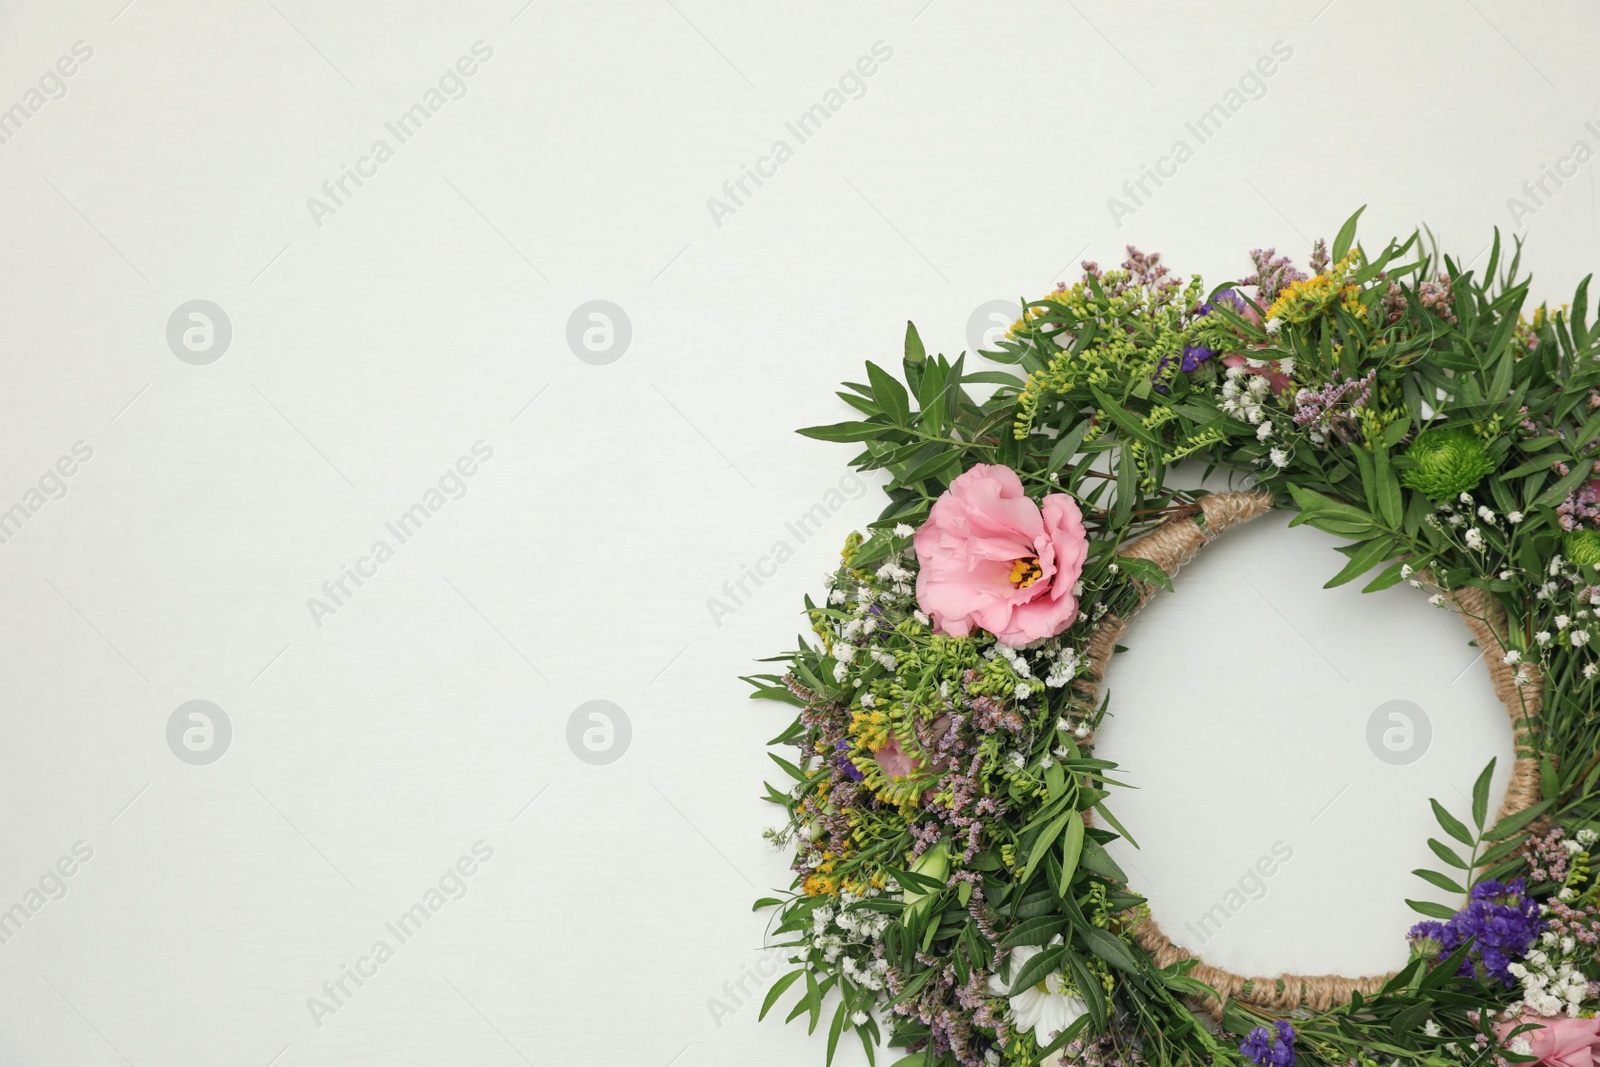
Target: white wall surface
x,y
376,339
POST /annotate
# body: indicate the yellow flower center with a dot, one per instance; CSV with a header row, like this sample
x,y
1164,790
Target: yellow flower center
x,y
1025,571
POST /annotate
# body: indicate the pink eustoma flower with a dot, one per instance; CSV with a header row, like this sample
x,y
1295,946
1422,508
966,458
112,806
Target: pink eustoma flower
x,y
994,560
1560,1041
893,760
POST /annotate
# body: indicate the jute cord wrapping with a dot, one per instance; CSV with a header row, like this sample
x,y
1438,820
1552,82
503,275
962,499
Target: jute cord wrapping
x,y
1170,546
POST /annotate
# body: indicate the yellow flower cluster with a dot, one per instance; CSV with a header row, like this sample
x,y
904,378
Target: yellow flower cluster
x,y
1304,300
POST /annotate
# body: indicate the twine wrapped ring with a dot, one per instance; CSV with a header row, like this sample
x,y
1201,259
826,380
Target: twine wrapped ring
x,y
1171,545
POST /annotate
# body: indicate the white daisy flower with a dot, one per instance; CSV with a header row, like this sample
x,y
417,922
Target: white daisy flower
x,y
1046,1007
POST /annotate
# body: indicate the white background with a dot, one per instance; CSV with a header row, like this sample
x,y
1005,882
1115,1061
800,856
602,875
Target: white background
x,y
430,312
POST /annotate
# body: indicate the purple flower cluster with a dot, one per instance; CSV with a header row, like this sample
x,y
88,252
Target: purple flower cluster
x,y
1581,509
1273,274
843,763
1335,408
1501,921
1193,355
1268,1049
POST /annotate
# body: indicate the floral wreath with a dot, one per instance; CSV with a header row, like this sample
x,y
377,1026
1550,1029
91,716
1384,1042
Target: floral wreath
x,y
953,894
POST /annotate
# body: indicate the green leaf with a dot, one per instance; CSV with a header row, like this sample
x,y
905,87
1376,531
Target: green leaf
x,y
1580,313
1445,853
1391,575
915,353
1480,796
777,991
788,768
1390,503
1326,513
1434,878
1347,234
1041,844
1368,556
1125,418
1089,988
1452,825
1067,447
1512,823
1095,858
1071,849
848,431
1430,909
1576,476
1144,570
836,1027
1035,970
1035,931
890,394
1112,949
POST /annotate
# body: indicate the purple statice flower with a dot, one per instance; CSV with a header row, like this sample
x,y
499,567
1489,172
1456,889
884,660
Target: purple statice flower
x,y
843,763
1273,274
1501,921
1268,1049
1335,409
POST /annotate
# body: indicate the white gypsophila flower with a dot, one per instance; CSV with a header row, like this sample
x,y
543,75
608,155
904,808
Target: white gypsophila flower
x,y
1082,731
1485,513
902,530
1023,691
1264,431
1511,657
1543,637
1286,366
1413,583
1406,571
1466,498
1505,576
1589,669
1587,837
1474,539
1513,517
1018,760
1436,600
1279,457
1562,622
1520,679
1555,566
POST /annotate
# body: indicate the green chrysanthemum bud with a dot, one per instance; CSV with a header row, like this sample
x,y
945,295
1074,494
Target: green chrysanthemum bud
x,y
1449,463
1582,547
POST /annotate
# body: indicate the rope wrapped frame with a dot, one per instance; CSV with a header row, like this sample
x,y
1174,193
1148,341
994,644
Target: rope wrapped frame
x,y
1176,542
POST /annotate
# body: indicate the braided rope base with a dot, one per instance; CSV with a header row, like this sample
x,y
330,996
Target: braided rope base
x,y
1170,546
